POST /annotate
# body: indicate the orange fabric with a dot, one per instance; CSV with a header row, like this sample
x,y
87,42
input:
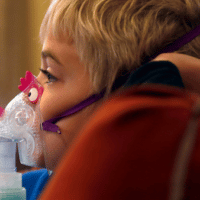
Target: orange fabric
x,y
127,151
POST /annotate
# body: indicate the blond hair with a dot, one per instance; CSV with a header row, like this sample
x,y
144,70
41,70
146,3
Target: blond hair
x,y
114,35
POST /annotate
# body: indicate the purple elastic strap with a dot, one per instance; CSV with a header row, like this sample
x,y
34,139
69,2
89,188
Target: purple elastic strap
x,y
49,125
188,37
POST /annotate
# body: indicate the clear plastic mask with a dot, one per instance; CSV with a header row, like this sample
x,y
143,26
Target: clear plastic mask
x,y
21,121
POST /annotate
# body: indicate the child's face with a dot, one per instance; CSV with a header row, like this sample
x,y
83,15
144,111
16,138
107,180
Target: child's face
x,y
67,84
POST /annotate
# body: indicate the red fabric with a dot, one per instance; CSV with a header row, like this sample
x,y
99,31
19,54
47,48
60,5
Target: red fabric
x,y
127,151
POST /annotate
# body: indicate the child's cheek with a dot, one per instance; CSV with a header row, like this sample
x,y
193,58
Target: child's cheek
x,y
45,107
49,106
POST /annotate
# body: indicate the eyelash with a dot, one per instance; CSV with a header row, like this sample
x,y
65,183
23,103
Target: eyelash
x,y
50,77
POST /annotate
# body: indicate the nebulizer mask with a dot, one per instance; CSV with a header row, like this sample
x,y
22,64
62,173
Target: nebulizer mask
x,y
20,124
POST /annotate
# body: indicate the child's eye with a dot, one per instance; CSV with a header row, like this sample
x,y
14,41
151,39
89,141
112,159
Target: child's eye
x,y
49,76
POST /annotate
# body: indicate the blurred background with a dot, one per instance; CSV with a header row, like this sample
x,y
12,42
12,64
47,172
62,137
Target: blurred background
x,y
20,47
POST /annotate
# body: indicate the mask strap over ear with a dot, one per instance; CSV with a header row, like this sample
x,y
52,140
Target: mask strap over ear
x,y
49,125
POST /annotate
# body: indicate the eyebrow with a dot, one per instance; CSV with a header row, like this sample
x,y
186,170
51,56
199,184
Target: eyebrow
x,y
47,53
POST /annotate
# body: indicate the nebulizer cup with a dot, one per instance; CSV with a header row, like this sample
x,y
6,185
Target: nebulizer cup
x,y
10,180
20,123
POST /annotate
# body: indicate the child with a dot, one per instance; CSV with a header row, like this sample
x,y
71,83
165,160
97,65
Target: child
x,y
91,46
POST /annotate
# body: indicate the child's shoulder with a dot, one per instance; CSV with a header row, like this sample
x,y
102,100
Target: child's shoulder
x,y
34,182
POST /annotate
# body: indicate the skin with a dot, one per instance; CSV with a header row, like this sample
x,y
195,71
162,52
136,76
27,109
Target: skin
x,y
71,86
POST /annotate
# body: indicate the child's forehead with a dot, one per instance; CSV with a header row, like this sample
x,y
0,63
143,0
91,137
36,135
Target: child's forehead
x,y
54,32
57,43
